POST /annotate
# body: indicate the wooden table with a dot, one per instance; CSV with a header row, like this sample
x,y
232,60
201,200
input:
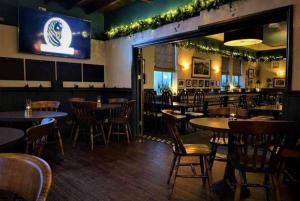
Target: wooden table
x,y
209,123
19,116
275,110
108,107
9,136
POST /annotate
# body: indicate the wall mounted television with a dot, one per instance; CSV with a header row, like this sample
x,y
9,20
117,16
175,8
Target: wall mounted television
x,y
47,33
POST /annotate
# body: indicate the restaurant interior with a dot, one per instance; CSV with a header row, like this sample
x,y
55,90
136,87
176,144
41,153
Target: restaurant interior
x,y
130,100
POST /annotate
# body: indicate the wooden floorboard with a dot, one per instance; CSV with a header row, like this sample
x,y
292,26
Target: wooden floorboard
x,y
121,172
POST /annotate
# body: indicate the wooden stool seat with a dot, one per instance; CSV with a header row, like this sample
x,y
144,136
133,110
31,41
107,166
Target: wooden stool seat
x,y
195,150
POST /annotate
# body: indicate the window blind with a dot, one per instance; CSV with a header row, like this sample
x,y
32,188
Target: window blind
x,y
165,58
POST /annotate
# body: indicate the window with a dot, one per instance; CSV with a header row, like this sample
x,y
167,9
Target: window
x,y
162,80
224,80
236,80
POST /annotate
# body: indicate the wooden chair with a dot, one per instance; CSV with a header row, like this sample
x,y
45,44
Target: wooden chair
x,y
121,117
72,115
85,112
243,102
37,136
219,138
45,105
198,109
50,106
151,111
166,100
180,150
224,101
25,175
253,144
183,97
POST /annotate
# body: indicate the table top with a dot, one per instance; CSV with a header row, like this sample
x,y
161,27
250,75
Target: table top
x,y
108,106
20,116
178,104
9,135
272,108
211,123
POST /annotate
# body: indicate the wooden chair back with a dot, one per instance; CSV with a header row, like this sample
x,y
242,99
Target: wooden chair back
x,y
224,101
170,122
117,100
28,176
198,101
85,111
183,97
37,136
149,102
243,102
252,141
167,100
45,105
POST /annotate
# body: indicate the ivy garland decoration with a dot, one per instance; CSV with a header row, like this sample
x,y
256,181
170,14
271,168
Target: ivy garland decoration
x,y
212,46
182,13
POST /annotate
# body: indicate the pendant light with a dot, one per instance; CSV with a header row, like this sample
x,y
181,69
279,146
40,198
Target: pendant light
x,y
244,37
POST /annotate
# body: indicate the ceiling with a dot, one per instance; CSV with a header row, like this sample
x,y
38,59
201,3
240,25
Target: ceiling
x,y
90,6
274,37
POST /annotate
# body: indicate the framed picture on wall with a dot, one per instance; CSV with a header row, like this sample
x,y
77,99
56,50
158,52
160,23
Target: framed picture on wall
x,y
188,83
275,64
217,83
181,83
279,82
207,82
201,67
201,83
195,83
212,83
250,73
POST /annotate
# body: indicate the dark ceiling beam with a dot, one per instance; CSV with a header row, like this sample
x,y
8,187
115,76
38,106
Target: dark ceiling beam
x,y
99,5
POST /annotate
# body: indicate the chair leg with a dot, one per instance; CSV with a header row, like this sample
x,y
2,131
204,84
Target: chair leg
x,y
127,133
76,136
274,184
92,137
176,172
238,188
129,129
109,133
202,169
214,149
103,133
209,178
172,168
60,142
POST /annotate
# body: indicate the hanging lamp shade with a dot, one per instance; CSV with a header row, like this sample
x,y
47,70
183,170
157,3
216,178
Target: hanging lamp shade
x,y
244,37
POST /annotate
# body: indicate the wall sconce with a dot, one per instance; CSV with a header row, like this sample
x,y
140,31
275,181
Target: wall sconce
x,y
185,65
216,69
280,73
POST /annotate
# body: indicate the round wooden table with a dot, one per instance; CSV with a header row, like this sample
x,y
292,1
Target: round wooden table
x,y
19,116
9,136
211,123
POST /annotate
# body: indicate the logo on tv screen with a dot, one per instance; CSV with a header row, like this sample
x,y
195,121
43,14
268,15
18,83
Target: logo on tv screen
x,y
58,37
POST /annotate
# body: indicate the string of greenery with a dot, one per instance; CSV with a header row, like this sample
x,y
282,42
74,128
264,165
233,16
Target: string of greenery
x,y
212,46
182,13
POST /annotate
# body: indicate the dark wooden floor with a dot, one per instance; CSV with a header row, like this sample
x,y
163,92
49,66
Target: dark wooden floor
x,y
121,172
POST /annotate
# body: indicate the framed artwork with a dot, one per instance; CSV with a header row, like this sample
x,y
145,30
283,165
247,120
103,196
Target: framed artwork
x,y
207,82
181,83
279,82
250,73
275,64
195,83
217,83
201,83
201,68
212,83
188,83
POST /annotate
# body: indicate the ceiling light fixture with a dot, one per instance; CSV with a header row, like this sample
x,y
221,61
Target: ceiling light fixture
x,y
244,37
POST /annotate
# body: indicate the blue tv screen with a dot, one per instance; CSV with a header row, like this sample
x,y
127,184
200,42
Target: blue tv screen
x,y
47,33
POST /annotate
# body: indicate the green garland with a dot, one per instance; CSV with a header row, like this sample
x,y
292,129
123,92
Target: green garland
x,y
175,15
212,46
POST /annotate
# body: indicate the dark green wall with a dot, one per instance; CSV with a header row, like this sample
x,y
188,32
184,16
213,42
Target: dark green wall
x,y
9,11
140,10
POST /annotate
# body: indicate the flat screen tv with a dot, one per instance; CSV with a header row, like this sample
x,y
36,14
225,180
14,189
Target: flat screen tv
x,y
47,33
